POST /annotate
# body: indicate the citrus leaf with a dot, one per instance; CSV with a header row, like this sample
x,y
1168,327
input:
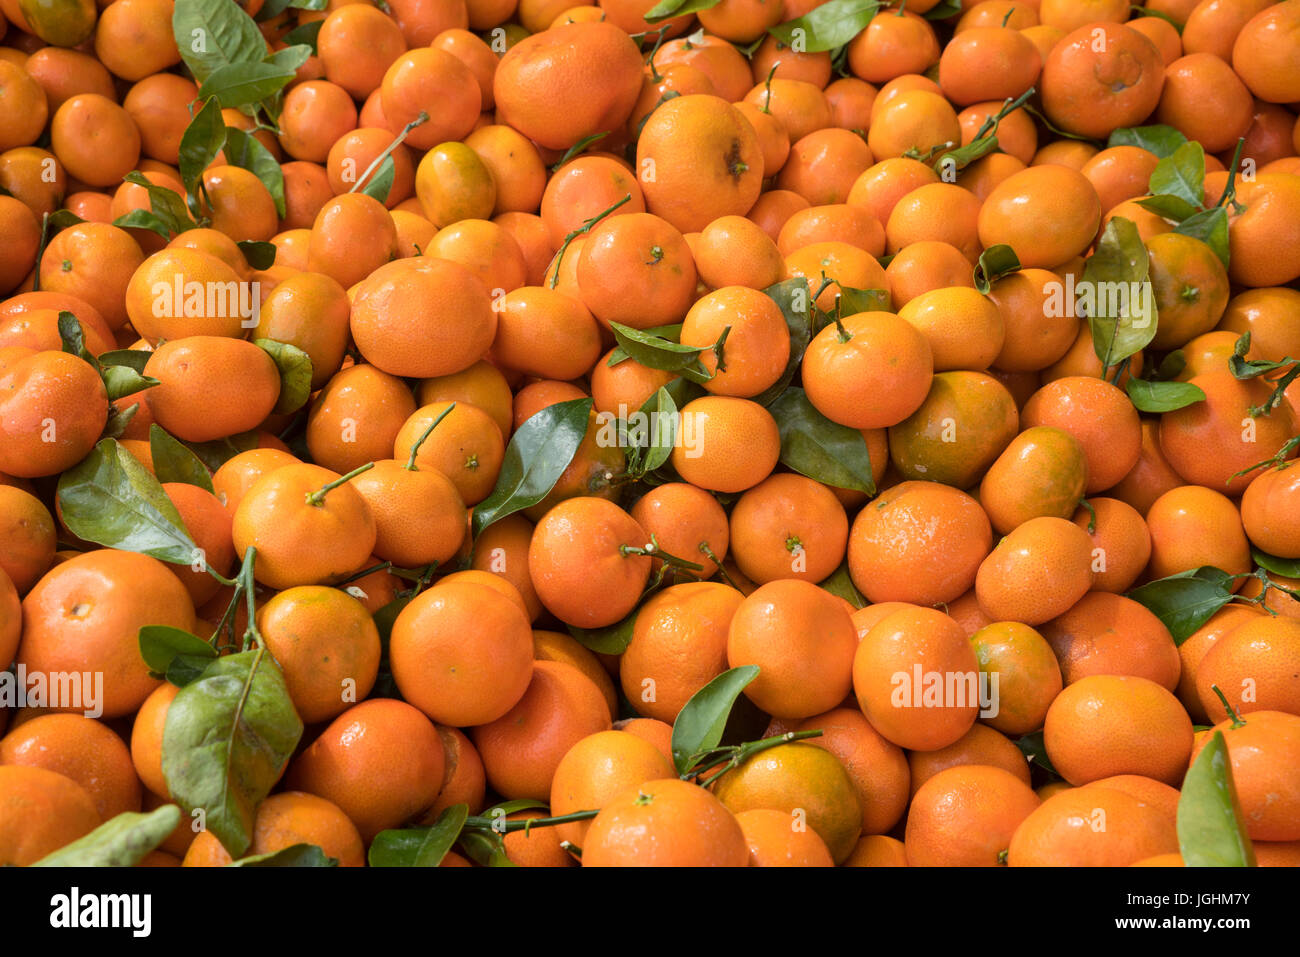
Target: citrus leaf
x,y
211,34
652,430
226,741
485,847
119,419
654,349
144,219
794,297
1161,140
813,445
165,204
841,584
610,640
1035,752
703,718
419,846
202,140
121,841
380,184
294,367
292,56
852,301
295,855
666,9
994,263
122,381
1181,174
161,645
216,453
1162,396
1211,826
1169,207
111,499
260,255
826,27
1210,226
173,462
130,358
1116,294
538,453
305,33
1286,567
246,152
1185,601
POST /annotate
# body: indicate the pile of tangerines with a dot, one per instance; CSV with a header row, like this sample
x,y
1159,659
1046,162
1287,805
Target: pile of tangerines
x,y
649,432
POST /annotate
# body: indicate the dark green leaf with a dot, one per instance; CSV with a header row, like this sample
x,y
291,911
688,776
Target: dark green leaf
x,y
135,359
119,419
841,583
1169,207
1162,396
1210,226
380,184
305,33
212,34
610,640
259,255
794,297
245,151
167,205
295,855
123,381
701,721
506,808
853,301
121,841
1115,294
994,263
485,847
1171,366
579,147
272,9
665,9
1185,601
1161,140
294,367
826,27
943,10
1211,825
814,446
216,453
419,846
169,651
202,140
227,739
653,349
74,338
173,462
652,430
144,219
1181,175
1035,752
111,499
1286,567
294,55
538,453
63,218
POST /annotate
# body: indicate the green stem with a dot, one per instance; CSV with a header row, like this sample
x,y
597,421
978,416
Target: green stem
x,y
1092,512
317,498
654,551
1237,721
498,826
586,227
1230,187
708,553
746,751
397,141
415,449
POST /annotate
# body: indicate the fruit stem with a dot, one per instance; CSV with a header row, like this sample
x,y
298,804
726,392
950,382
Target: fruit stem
x,y
317,498
1092,515
708,552
500,827
744,752
717,349
415,449
248,585
653,550
1237,720
767,88
586,227
397,141
1229,194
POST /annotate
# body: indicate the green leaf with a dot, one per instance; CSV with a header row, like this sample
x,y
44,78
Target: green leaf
x,y
1169,207
111,499
1122,311
703,718
173,462
652,431
610,640
73,338
380,184
216,453
122,381
227,739
994,263
246,152
164,648
794,297
121,841
1286,567
853,301
295,855
538,453
1181,174
243,84
506,808
1171,366
260,255
119,419
828,26
166,204
202,140
272,9
943,10
1211,825
580,147
293,56
1035,752
841,583
1210,226
294,367
144,219
1162,396
305,33
665,9
957,159
485,847
654,349
813,445
419,846
1185,601
211,34
135,359
1161,140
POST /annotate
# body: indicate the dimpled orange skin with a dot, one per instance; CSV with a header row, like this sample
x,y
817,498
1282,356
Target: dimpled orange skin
x,y
877,768
1028,676
964,817
285,819
47,387
1111,634
726,444
1270,511
597,769
41,811
1040,569
299,543
1094,84
86,614
1096,413
1105,725
918,542
577,565
1063,831
1042,472
1254,666
196,374
462,654
667,823
897,645
802,640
